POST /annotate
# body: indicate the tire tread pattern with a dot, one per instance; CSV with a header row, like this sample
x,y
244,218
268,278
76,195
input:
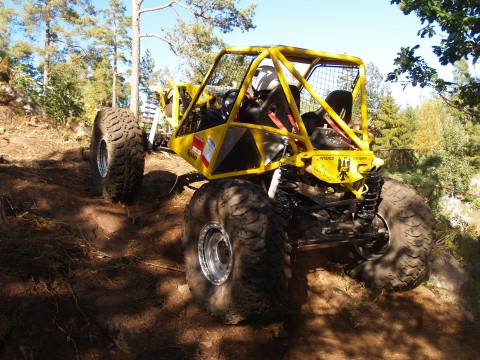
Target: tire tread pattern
x,y
126,157
406,263
257,280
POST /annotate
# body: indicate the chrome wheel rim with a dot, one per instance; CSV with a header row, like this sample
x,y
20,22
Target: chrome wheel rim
x,y
215,253
102,157
377,247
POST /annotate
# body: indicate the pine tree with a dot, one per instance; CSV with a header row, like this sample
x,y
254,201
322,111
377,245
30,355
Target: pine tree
x,y
56,24
116,41
148,75
6,22
222,15
200,46
65,99
375,90
387,124
408,122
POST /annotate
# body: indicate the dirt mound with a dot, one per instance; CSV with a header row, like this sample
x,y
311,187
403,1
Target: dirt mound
x,y
81,278
15,98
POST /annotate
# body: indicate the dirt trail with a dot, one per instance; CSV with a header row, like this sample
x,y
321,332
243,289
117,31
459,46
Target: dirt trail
x,y
81,278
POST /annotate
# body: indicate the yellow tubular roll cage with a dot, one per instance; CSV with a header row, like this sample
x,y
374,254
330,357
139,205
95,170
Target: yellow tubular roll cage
x,y
300,143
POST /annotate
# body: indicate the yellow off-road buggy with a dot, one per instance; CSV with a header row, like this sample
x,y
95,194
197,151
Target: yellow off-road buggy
x,y
164,107
283,136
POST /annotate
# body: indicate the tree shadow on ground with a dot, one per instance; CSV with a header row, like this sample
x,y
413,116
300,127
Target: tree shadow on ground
x,y
82,278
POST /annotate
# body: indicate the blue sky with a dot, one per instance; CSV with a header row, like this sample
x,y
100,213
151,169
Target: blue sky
x,y
373,30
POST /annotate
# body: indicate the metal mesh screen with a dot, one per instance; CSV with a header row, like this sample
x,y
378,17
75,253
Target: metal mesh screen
x,y
325,79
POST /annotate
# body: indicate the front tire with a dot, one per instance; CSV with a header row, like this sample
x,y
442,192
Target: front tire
x,y
117,156
234,250
400,261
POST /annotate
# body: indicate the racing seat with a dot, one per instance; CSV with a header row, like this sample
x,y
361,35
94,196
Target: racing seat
x,y
276,103
341,101
322,135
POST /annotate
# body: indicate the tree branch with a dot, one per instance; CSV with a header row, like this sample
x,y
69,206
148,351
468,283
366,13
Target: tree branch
x,y
160,38
171,44
169,4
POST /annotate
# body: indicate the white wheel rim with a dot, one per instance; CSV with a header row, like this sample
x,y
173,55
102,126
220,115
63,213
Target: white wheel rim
x,y
215,253
102,157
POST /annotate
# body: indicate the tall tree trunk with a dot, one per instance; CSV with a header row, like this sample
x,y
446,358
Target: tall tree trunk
x,y
114,83
48,37
134,95
114,80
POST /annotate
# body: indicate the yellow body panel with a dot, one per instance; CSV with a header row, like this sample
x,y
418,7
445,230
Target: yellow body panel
x,y
199,149
342,167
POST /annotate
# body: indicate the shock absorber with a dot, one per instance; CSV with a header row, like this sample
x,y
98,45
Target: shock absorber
x,y
282,190
367,208
283,187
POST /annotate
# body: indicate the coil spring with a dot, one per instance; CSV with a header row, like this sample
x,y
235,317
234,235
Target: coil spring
x,y
285,199
367,208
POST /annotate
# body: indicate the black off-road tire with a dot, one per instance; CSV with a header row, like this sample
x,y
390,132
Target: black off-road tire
x,y
404,264
252,240
117,156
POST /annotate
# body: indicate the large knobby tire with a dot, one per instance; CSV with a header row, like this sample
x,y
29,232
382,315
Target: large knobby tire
x,y
402,261
117,156
234,250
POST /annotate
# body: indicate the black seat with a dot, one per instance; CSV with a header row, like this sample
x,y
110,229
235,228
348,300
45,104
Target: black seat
x,y
276,102
341,101
322,135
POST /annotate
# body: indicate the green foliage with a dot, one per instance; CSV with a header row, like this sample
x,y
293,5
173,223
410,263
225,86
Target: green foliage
x,y
466,249
458,19
442,144
72,34
196,39
223,14
375,90
394,127
6,18
473,147
57,26
427,137
148,75
199,49
64,100
386,124
113,41
460,22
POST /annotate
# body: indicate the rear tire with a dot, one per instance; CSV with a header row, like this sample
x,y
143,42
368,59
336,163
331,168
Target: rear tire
x,y
401,263
234,250
117,156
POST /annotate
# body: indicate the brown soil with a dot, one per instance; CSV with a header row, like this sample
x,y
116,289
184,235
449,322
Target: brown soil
x,y
81,278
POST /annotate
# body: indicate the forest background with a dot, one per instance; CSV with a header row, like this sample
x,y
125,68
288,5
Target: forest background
x,y
73,57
